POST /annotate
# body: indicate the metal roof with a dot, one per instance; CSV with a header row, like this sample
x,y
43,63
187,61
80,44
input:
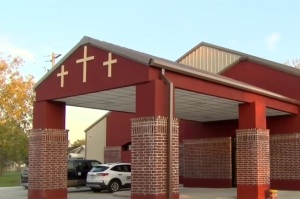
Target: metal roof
x,y
248,57
170,66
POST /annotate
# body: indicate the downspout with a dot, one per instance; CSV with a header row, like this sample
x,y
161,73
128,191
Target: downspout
x,y
169,135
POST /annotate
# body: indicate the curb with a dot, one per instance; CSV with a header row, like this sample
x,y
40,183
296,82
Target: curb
x,y
127,194
122,194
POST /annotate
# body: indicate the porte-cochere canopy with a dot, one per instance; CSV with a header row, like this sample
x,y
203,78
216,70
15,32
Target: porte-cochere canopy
x,y
100,75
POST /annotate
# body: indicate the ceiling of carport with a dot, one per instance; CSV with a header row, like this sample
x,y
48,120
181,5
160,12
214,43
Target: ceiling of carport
x,y
199,107
188,105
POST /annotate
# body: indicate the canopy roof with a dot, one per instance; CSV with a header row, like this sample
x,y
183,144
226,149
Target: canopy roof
x,y
117,92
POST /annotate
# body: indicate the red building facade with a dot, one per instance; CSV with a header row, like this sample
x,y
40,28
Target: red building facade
x,y
184,125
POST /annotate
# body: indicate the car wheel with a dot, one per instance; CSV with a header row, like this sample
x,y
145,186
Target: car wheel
x,y
114,186
95,190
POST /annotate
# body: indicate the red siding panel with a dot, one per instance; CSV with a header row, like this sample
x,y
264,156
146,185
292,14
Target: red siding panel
x,y
265,77
97,75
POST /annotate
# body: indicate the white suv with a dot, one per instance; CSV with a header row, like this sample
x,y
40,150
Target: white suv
x,y
113,177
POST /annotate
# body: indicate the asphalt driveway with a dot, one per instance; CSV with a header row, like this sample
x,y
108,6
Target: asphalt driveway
x,y
185,193
73,193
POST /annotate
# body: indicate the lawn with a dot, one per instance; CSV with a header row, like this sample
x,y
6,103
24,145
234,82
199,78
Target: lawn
x,y
10,178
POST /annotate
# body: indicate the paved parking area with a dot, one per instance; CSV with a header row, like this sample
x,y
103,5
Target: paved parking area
x,y
185,193
73,193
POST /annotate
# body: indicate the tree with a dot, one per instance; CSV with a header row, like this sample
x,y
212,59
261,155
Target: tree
x,y
16,93
16,105
78,143
293,62
13,145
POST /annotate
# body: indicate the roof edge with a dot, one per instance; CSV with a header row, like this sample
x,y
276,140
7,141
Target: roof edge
x,y
274,65
277,66
122,51
211,46
84,40
97,121
220,79
189,51
233,64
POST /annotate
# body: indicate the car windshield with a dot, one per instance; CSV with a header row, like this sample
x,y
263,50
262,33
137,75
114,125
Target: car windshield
x,y
99,168
25,172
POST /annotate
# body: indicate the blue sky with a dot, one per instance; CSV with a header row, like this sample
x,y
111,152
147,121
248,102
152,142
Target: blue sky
x,y
34,29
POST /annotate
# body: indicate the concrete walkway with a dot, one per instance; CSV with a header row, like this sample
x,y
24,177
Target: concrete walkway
x,y
209,193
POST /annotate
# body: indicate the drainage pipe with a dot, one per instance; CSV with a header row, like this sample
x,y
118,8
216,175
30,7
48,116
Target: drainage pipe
x,y
169,135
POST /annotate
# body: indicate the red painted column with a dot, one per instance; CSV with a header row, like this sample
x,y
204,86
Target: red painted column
x,y
253,152
48,144
152,99
48,114
149,145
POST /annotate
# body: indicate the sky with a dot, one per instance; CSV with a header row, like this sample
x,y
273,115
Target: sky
x,y
33,29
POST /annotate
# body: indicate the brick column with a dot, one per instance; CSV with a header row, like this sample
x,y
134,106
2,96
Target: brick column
x,y
112,154
149,158
253,163
48,164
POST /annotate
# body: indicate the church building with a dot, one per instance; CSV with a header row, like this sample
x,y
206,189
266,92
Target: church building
x,y
213,118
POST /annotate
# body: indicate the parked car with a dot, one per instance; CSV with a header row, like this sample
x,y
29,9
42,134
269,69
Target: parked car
x,y
24,177
77,172
111,177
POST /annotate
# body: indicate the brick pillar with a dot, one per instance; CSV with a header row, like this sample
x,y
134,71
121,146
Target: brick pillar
x,y
48,164
207,162
112,154
253,163
149,158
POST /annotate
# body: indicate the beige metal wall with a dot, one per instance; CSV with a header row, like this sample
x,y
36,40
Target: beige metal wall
x,y
209,59
96,141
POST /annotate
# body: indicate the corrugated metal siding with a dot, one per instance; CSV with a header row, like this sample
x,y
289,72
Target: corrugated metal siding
x,y
209,59
96,141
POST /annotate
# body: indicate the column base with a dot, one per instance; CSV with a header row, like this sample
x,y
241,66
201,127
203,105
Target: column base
x,y
285,184
181,179
252,191
153,196
48,193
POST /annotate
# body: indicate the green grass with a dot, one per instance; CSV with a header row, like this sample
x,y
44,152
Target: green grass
x,y
10,178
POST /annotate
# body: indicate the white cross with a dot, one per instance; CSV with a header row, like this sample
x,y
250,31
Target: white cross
x,y
62,75
109,63
84,60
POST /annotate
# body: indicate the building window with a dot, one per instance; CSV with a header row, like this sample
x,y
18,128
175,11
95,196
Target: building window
x,y
126,147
